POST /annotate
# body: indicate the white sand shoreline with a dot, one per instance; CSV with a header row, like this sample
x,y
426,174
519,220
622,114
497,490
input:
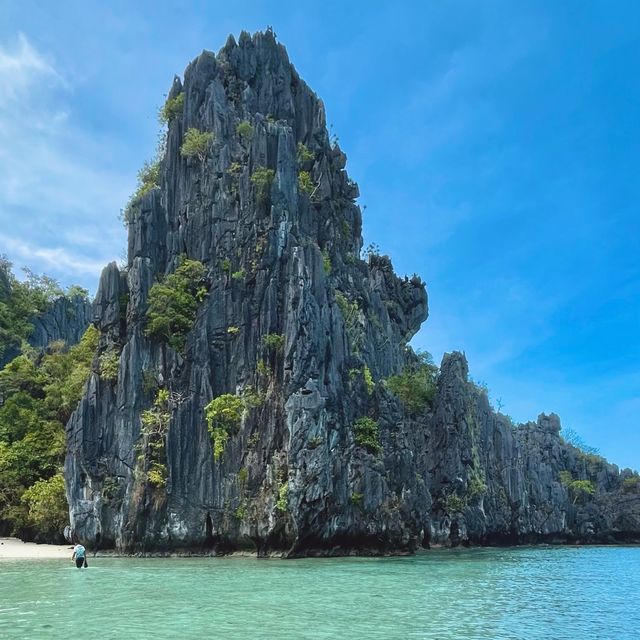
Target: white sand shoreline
x,y
15,549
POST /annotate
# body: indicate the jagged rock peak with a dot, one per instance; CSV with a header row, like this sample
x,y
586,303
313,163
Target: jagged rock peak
x,y
291,321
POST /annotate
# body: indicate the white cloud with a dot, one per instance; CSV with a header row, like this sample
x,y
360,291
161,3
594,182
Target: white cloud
x,y
56,258
18,68
53,177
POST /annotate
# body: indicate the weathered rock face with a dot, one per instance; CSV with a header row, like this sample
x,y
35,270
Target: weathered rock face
x,y
286,262
67,319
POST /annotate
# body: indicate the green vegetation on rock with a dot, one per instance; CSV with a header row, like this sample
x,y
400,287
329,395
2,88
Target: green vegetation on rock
x,y
453,503
39,393
154,427
148,179
369,384
239,274
21,301
172,108
351,316
581,490
356,499
416,385
109,362
304,156
261,179
305,183
367,434
326,262
223,415
196,144
173,304
282,504
273,342
245,131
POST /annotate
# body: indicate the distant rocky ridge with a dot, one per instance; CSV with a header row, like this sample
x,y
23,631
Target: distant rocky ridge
x,y
284,260
66,319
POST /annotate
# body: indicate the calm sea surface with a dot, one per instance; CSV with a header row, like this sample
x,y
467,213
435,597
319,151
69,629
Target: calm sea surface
x,y
528,593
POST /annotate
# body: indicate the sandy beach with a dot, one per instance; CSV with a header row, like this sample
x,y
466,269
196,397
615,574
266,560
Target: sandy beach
x,y
12,548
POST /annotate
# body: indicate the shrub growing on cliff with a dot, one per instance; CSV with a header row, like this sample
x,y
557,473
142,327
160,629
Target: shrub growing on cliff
x,y
148,179
453,503
581,490
304,156
367,378
282,503
173,304
109,362
565,478
196,144
172,108
273,342
369,384
245,131
367,434
305,183
155,424
631,485
261,179
326,262
223,415
351,316
416,385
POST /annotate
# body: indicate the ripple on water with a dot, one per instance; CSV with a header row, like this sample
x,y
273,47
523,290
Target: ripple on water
x,y
525,593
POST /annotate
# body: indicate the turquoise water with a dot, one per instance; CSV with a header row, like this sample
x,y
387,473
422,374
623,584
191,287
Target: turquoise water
x,y
528,593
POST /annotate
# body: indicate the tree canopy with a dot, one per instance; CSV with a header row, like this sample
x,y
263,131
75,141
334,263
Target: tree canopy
x,y
38,393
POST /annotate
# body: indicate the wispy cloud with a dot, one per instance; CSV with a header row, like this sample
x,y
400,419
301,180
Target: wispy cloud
x,y
52,176
57,258
18,67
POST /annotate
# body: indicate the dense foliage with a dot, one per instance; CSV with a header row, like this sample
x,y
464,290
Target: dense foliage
x,y
416,385
304,156
196,144
173,303
305,183
172,108
261,179
245,131
367,434
38,393
20,301
223,415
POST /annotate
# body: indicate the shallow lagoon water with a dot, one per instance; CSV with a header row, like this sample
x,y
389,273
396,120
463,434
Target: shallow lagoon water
x,y
526,593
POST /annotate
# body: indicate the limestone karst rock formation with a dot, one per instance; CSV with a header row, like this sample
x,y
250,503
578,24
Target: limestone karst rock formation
x,y
282,259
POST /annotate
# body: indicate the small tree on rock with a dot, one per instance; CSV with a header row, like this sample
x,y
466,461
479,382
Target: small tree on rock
x,y
196,144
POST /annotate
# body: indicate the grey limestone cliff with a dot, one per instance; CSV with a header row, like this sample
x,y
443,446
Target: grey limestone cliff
x,y
66,319
284,260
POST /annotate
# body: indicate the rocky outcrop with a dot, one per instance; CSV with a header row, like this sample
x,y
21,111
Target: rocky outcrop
x,y
66,319
282,259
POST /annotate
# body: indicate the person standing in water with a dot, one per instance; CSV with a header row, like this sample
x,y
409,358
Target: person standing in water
x,y
80,556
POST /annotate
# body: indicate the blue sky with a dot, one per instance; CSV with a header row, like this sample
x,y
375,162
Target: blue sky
x,y
496,146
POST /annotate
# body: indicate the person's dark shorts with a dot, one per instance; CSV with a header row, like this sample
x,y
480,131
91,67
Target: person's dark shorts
x,y
80,562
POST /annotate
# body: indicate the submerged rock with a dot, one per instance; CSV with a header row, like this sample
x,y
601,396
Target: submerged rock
x,y
281,251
